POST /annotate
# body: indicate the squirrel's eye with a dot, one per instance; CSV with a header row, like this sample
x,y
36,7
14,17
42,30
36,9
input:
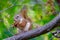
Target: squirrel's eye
x,y
17,17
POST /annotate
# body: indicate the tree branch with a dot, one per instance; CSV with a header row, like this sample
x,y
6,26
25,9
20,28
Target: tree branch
x,y
34,33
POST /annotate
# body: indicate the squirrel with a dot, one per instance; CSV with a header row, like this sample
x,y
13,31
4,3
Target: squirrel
x,y
22,21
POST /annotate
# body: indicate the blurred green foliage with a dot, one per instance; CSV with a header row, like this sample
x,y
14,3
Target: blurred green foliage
x,y
36,10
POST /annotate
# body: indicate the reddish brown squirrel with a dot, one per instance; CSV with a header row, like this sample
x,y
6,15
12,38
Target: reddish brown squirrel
x,y
22,21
